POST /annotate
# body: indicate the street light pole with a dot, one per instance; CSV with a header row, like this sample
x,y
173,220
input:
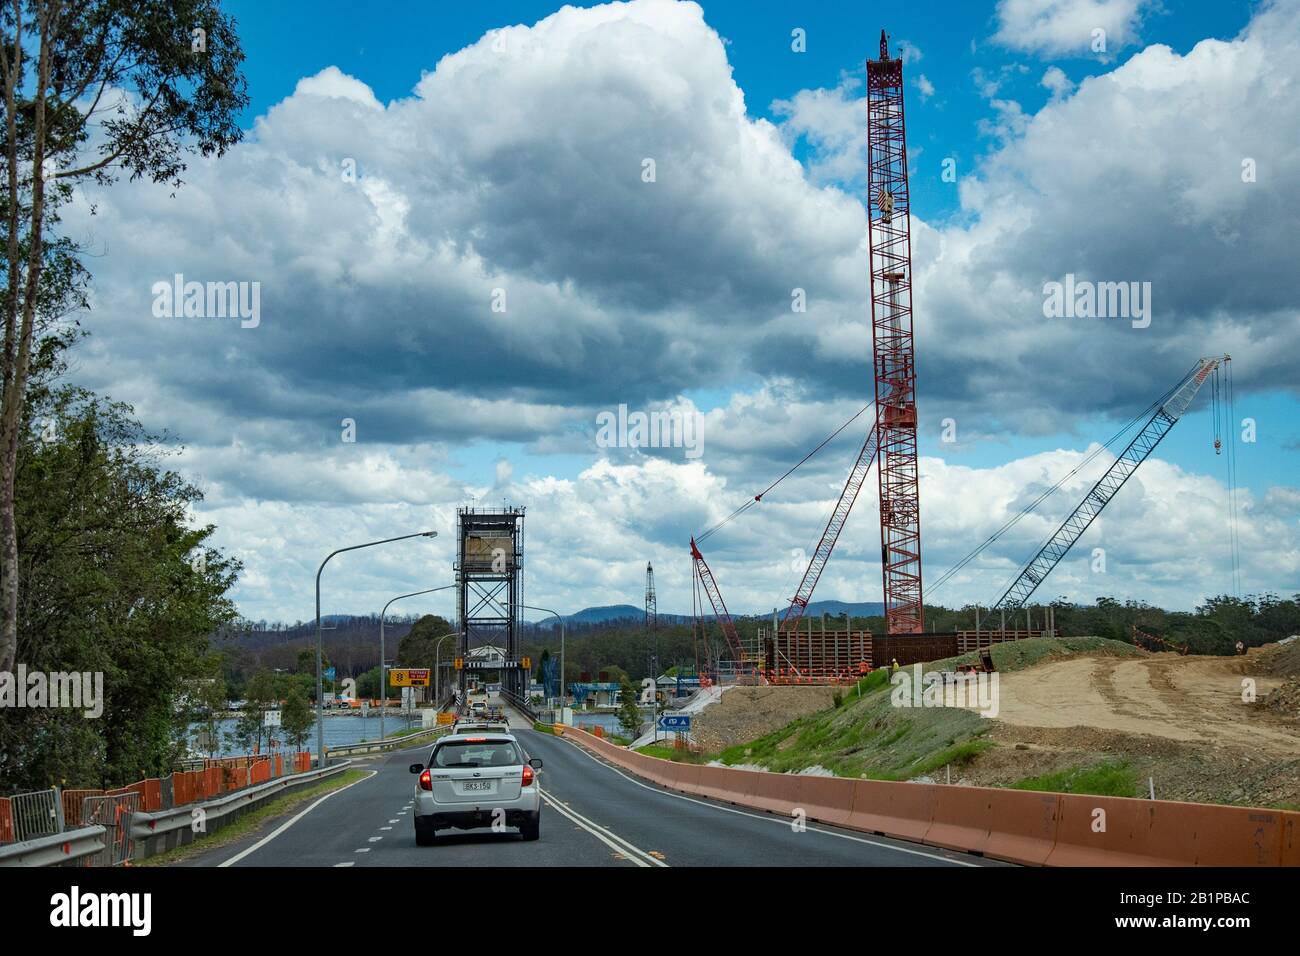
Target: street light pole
x,y
437,664
320,688
547,610
383,687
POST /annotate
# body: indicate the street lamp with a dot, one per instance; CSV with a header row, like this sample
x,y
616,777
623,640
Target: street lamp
x,y
437,664
320,687
383,687
547,610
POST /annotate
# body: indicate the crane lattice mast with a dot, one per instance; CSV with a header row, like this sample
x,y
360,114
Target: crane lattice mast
x,y
1107,486
889,225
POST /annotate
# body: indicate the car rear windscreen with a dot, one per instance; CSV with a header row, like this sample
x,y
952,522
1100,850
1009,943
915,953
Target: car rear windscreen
x,y
467,753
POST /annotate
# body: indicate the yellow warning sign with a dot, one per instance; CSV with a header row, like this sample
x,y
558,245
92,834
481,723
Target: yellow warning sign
x,y
408,677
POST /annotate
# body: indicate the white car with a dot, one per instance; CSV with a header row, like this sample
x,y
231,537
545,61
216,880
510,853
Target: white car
x,y
477,779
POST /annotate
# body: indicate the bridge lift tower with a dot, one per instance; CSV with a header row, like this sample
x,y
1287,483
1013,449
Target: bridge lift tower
x,y
490,594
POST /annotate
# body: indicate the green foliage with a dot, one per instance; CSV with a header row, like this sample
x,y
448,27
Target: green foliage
x,y
110,586
1109,779
629,713
296,719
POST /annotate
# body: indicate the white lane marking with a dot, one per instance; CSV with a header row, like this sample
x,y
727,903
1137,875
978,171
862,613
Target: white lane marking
x,y
348,863
638,856
364,849
392,821
288,823
375,839
777,820
385,828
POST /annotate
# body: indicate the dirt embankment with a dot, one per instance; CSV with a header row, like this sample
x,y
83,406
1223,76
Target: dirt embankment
x,y
743,714
1078,710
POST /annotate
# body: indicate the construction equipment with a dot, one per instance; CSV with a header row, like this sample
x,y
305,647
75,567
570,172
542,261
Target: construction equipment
x,y
889,229
822,553
720,612
1107,486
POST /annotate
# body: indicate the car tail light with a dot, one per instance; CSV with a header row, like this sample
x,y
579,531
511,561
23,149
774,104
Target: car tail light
x,y
426,781
528,776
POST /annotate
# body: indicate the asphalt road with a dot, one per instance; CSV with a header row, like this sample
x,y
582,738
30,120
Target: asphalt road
x,y
593,815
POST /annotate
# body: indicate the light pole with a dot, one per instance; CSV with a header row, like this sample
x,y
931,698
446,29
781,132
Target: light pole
x,y
320,688
383,687
547,610
437,664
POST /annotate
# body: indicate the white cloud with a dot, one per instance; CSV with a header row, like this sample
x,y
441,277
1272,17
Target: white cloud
x,y
517,165
1067,27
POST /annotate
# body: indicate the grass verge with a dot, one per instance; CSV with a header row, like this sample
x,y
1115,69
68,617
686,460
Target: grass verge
x,y
1113,778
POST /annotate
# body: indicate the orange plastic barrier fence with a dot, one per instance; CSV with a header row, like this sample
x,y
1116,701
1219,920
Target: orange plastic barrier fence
x,y
1028,827
6,821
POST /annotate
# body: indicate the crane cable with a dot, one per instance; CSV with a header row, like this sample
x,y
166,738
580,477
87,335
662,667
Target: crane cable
x,y
759,497
1146,412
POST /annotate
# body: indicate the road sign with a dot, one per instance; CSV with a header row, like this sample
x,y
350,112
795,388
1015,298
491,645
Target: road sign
x,y
526,663
271,718
408,677
460,663
329,673
677,722
446,717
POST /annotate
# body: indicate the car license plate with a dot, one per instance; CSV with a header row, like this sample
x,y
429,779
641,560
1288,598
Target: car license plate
x,y
477,785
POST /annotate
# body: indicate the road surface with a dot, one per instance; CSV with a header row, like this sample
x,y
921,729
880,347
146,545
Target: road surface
x,y
593,815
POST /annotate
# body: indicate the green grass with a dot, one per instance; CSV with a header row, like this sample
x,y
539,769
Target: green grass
x,y
253,821
542,728
1108,779
672,753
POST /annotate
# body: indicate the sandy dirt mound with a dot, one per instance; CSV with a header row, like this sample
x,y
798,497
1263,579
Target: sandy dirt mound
x,y
747,713
1189,699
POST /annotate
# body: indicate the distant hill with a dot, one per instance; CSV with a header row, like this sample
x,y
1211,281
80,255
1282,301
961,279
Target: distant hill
x,y
611,613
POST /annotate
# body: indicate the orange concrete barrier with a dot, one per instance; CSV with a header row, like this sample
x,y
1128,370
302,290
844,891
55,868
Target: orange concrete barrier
x,y
777,793
960,818
1025,825
1119,831
897,809
827,799
1290,839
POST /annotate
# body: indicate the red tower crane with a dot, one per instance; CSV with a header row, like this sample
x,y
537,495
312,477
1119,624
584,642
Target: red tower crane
x,y
889,227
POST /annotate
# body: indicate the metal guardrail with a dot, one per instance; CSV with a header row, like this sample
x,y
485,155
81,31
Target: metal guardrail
x,y
520,705
145,826
55,848
379,746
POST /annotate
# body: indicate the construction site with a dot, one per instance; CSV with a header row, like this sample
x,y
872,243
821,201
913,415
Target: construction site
x,y
791,651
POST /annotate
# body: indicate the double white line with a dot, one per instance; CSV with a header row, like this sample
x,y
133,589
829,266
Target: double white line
x,y
613,841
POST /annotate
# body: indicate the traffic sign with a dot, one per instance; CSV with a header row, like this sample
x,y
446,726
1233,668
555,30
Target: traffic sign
x,y
408,677
677,722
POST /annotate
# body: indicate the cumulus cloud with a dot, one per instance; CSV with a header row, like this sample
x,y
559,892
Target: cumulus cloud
x,y
1069,27
483,261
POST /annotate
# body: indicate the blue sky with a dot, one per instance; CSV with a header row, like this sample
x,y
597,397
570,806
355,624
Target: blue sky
x,y
483,168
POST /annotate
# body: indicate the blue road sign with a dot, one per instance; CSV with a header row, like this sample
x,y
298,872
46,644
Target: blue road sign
x,y
678,722
329,673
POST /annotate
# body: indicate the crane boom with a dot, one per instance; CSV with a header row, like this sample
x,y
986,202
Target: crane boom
x,y
715,598
1165,417
798,603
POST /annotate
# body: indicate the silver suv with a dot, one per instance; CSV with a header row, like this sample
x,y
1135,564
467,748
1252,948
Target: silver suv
x,y
477,779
